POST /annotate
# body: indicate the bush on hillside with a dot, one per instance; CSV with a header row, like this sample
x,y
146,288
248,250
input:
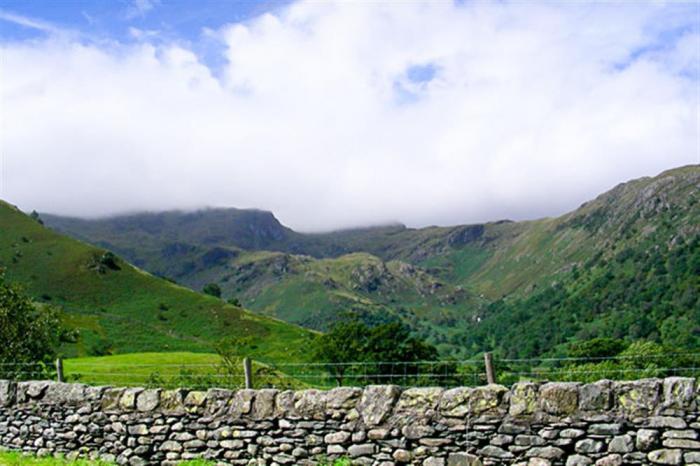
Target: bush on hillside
x,y
212,289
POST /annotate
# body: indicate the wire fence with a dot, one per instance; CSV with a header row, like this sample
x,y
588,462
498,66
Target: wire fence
x,y
447,373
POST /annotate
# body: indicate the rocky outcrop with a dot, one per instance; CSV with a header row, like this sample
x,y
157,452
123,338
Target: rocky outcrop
x,y
605,423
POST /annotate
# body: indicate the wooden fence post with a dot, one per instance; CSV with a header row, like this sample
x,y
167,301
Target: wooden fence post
x,y
247,370
59,370
490,374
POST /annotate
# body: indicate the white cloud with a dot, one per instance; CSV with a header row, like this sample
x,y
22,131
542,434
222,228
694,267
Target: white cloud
x,y
532,110
140,8
28,22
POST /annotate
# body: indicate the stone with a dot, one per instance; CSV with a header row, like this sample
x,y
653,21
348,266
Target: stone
x,y
361,450
605,429
688,434
523,399
646,439
138,429
435,442
284,405
417,431
559,397
378,434
692,457
512,429
402,456
588,446
578,460
685,444
33,390
264,403
463,459
495,452
196,399
310,404
434,461
610,460
232,444
283,459
501,440
621,444
487,399
455,402
678,392
8,392
65,393
127,402
241,403
419,400
529,440
572,433
359,436
377,402
218,401
596,396
667,422
171,446
110,399
550,453
172,402
335,450
337,437
343,398
539,462
639,397
665,456
147,400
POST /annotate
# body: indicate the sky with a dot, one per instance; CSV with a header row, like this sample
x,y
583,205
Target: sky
x,y
340,114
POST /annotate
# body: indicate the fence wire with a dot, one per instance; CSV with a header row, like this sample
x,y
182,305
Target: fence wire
x,y
299,375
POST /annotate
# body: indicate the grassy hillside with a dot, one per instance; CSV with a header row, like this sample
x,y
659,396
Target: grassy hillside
x,y
445,282
640,278
119,308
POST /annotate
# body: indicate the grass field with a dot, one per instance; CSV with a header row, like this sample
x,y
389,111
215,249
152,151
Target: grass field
x,y
176,369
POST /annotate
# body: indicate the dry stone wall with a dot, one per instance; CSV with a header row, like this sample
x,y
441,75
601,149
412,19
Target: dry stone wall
x,y
605,423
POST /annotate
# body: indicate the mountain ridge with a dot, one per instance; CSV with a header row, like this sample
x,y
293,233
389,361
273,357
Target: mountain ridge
x,y
436,279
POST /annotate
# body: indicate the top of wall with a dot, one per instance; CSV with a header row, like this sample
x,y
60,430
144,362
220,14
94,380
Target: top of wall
x,y
383,404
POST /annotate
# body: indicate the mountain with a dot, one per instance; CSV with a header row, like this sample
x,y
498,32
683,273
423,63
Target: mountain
x,y
119,308
466,288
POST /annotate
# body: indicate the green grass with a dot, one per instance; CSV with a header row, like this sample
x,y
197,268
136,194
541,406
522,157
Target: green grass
x,y
11,458
177,369
129,310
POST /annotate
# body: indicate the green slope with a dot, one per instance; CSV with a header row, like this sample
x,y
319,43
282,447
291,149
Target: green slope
x,y
638,279
120,308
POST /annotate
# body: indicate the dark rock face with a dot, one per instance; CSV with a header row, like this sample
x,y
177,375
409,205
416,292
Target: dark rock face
x,y
465,235
607,423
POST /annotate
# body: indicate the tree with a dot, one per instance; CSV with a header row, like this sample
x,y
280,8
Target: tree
x,y
212,289
344,343
384,353
596,348
29,333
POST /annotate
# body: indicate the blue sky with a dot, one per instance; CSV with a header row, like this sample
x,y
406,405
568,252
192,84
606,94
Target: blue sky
x,y
337,113
113,18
